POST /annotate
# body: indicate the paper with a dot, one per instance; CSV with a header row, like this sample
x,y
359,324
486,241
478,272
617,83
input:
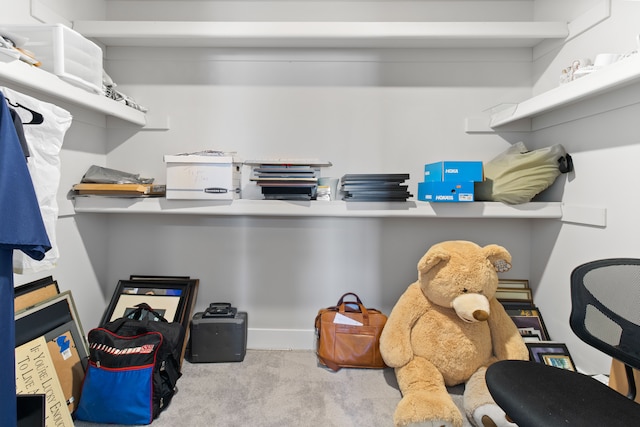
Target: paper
x,y
344,320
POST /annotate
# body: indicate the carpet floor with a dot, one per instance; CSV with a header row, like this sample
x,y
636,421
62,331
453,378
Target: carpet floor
x,y
272,388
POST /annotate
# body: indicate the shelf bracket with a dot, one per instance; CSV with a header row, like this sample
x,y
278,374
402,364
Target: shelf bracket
x,y
585,215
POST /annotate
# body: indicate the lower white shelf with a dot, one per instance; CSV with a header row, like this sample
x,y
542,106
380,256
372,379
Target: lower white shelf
x,y
338,208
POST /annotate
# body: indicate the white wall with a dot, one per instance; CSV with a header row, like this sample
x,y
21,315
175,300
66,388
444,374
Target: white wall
x,y
366,111
81,241
604,149
363,110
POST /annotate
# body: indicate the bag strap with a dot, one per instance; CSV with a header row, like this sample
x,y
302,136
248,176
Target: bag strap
x,y
329,364
143,306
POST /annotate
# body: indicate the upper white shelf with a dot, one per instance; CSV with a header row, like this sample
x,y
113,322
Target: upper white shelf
x,y
322,34
33,79
245,207
611,77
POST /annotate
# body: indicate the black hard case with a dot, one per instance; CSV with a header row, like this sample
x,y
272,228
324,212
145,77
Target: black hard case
x,y
218,339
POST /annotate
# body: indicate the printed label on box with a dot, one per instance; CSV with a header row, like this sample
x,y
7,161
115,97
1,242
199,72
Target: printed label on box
x,y
454,171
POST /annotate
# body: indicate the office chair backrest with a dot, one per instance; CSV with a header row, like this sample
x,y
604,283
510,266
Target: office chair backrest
x,y
605,311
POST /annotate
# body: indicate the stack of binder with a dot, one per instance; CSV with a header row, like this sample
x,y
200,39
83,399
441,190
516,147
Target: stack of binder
x,y
375,187
287,181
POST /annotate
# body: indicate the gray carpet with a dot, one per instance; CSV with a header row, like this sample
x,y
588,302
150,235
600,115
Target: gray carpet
x,y
281,388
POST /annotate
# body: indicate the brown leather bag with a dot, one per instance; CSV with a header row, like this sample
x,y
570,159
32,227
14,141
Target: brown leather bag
x,y
341,344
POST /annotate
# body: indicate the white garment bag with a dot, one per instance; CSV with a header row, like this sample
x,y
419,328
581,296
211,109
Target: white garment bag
x,y
44,128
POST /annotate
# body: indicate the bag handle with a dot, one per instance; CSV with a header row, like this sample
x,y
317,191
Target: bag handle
x,y
341,300
143,306
342,307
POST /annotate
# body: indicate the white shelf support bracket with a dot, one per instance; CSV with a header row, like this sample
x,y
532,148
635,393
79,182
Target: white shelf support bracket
x,y
483,123
585,215
478,124
156,122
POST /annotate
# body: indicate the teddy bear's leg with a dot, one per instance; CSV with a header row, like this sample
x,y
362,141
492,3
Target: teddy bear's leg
x,y
425,400
480,407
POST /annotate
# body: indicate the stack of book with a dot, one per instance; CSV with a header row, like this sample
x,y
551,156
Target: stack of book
x,y
287,181
375,187
517,299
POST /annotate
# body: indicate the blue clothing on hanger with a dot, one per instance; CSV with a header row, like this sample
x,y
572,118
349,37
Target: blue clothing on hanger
x,y
21,227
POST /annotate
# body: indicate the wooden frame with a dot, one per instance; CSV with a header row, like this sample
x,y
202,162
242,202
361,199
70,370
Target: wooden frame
x,y
32,293
513,283
514,295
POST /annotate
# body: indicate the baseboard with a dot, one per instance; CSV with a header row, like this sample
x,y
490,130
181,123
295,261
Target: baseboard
x,y
280,339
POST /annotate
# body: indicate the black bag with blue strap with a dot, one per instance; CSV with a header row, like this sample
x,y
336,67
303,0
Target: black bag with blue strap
x,y
134,365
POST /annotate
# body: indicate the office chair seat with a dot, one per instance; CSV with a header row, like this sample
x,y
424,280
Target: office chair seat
x,y
534,395
605,313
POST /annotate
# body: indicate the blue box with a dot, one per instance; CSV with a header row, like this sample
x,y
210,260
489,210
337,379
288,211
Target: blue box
x,y
446,191
453,171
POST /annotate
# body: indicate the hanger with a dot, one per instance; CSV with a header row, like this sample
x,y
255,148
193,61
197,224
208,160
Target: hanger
x,y
36,118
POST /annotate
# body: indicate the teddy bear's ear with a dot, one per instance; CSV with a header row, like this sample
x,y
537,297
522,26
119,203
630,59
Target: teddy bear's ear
x,y
432,258
499,257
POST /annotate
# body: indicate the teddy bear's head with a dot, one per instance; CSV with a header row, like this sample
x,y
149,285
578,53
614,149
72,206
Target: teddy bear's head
x,y
462,275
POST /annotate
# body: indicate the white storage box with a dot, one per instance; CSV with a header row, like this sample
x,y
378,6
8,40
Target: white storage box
x,y
203,177
65,53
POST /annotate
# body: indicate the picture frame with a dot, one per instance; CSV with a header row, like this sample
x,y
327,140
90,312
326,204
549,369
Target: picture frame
x,y
513,283
151,277
530,334
168,306
173,297
550,353
70,358
31,293
47,315
514,295
167,297
32,410
31,357
55,321
532,322
562,361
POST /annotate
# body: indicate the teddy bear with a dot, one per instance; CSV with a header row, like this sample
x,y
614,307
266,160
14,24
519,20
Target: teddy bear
x,y
445,330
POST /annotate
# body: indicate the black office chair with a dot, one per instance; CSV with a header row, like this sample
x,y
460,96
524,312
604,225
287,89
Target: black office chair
x,y
605,314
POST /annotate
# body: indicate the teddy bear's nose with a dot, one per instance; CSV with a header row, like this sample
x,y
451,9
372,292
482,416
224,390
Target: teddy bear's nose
x,y
480,315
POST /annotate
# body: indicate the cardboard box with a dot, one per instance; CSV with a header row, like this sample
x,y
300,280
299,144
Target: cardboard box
x,y
446,191
203,177
453,171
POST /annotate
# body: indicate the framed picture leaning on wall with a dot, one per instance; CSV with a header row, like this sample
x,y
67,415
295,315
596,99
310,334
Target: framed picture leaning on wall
x,y
170,298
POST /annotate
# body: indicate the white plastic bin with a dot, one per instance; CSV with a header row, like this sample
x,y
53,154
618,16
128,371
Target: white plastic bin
x,y
65,53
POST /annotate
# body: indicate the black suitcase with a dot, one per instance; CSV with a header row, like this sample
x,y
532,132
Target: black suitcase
x,y
220,336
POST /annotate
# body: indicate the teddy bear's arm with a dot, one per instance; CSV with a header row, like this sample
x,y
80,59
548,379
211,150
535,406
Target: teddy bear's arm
x,y
506,339
395,341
